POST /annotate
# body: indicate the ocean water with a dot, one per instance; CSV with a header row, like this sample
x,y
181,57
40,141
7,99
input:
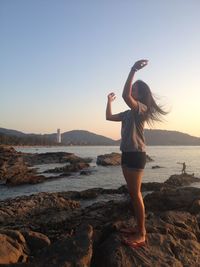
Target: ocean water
x,y
108,177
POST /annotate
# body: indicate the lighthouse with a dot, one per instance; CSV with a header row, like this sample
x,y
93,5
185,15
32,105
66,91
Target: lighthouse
x,y
58,137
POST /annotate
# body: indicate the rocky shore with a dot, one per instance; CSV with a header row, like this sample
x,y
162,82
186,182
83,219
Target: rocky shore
x,y
54,229
17,168
81,229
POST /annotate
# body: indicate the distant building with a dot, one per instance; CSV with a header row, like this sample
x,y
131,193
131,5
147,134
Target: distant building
x,y
58,137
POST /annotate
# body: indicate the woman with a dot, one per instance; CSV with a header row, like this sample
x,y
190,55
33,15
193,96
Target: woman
x,y
143,108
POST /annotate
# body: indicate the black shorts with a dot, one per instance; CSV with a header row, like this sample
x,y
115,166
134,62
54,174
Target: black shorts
x,y
134,160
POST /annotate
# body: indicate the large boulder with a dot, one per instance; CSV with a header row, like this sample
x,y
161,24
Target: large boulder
x,y
113,159
172,240
182,179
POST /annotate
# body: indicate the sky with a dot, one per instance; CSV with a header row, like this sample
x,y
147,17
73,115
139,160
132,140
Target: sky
x,y
59,59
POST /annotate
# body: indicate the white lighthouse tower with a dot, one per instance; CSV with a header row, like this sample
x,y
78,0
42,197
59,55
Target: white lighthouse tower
x,y
58,137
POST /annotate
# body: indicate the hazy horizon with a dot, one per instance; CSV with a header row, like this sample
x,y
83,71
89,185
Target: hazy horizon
x,y
93,132
60,59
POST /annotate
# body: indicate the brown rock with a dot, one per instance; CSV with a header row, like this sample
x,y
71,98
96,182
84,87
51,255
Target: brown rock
x,y
113,159
73,251
172,199
36,241
13,169
12,247
109,159
52,157
67,169
181,179
195,207
172,229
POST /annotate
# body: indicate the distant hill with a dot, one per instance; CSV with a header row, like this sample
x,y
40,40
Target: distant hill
x,y
170,138
81,137
11,132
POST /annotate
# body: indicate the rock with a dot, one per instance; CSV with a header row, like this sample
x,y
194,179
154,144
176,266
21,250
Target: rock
x,y
29,179
153,186
195,207
113,159
70,252
13,169
36,241
36,210
13,247
85,172
90,236
172,240
156,167
148,158
181,179
53,157
67,169
14,166
172,199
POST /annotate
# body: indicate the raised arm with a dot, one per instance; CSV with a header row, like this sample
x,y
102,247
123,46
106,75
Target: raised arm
x,y
127,92
109,115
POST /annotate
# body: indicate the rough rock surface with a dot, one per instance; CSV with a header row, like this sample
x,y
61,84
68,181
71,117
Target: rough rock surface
x,y
69,168
68,235
52,157
182,179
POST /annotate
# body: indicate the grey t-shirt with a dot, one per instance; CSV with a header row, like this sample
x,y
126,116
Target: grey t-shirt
x,y
132,130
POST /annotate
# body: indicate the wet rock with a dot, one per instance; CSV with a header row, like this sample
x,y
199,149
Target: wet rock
x,y
85,172
182,179
14,170
113,159
27,179
148,158
156,167
53,157
12,166
15,166
67,169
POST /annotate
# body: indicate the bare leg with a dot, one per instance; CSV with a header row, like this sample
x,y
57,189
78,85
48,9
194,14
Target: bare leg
x,y
133,179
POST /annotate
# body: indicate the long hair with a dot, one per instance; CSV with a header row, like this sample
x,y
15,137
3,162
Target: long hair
x,y
154,111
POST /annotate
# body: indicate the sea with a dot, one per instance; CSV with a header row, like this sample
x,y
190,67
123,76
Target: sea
x,y
167,157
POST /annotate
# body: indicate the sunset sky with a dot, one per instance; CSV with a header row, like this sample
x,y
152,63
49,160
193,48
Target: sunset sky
x,y
60,58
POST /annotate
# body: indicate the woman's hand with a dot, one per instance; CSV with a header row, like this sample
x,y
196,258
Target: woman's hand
x,y
140,64
111,97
